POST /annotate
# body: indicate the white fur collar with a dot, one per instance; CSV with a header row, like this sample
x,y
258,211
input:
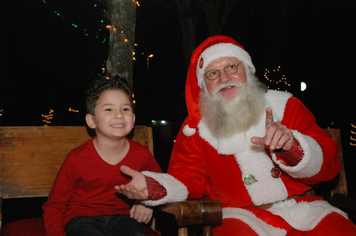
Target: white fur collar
x,y
275,99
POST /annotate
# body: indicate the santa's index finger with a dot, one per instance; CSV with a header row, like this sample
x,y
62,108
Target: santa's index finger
x,y
269,117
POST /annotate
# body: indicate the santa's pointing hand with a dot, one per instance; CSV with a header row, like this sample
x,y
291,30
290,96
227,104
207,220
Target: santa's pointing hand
x,y
277,136
136,188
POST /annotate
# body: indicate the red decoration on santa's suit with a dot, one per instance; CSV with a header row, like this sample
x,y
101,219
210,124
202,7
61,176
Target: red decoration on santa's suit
x,y
242,175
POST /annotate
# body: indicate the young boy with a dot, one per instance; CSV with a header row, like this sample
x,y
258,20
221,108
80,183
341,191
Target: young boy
x,y
83,200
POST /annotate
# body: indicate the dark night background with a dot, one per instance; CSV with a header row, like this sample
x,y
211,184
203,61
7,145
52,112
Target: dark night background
x,y
46,63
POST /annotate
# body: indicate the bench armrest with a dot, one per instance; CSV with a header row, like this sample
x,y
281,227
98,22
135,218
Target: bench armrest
x,y
0,213
195,212
343,202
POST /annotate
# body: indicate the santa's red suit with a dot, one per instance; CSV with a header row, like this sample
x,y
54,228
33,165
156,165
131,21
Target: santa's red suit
x,y
244,176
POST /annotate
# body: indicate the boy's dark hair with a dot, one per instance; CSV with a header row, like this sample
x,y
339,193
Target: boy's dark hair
x,y
102,84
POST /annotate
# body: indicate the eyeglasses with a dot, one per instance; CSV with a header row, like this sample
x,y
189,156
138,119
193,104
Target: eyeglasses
x,y
229,70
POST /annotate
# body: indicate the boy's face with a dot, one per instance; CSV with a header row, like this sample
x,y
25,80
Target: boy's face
x,y
113,115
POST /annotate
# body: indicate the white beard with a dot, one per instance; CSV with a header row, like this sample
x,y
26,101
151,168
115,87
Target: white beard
x,y
226,118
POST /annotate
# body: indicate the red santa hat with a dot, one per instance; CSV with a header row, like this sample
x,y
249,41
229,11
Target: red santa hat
x,y
211,49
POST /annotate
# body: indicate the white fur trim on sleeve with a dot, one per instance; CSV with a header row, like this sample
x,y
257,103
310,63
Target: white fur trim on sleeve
x,y
257,225
176,191
311,162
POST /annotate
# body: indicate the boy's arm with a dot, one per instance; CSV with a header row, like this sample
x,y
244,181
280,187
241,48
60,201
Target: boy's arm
x,y
141,213
55,207
53,219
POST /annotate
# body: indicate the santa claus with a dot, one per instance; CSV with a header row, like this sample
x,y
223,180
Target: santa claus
x,y
257,151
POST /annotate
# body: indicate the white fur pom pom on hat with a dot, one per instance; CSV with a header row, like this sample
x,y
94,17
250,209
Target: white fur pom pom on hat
x,y
187,131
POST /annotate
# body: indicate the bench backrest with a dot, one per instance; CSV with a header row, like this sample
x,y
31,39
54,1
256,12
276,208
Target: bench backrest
x,y
32,155
341,185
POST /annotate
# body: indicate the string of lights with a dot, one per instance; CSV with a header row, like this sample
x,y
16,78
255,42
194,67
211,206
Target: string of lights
x,y
99,32
73,110
47,118
98,35
353,135
276,80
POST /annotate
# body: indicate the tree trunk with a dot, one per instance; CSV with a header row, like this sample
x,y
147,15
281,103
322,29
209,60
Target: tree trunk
x,y
122,38
188,24
188,11
211,9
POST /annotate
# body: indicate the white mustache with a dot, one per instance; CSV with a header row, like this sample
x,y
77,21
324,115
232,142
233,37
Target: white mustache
x,y
229,84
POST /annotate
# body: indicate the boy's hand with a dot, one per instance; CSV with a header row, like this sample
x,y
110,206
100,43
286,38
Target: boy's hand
x,y
137,188
141,213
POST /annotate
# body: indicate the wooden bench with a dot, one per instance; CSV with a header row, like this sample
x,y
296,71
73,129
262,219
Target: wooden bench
x,y
31,156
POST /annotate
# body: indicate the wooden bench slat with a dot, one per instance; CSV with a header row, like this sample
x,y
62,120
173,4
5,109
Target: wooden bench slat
x,y
32,155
